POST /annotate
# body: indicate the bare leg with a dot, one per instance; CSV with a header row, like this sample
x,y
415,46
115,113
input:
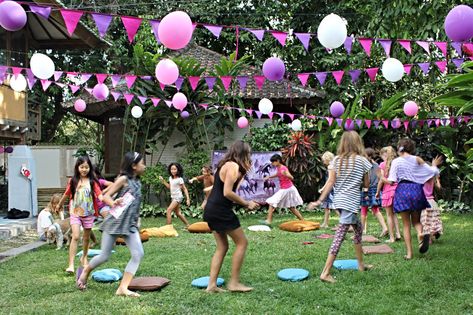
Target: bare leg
x,y
93,239
424,238
381,221
177,211
390,216
85,247
358,250
364,223
396,226
123,288
73,246
333,252
169,211
296,213
217,260
269,218
326,218
241,243
325,276
406,222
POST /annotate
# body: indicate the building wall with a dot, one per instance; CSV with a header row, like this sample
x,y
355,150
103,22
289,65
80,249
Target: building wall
x,y
12,106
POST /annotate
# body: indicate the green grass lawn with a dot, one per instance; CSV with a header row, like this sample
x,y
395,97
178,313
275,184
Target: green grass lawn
x,y
439,282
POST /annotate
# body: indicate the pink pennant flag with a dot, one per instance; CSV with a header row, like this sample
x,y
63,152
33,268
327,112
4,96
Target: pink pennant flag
x,y
386,44
142,99
466,119
291,116
16,71
321,76
443,47
84,77
131,26
304,38
89,90
368,123
242,80
385,123
437,122
270,115
452,121
366,44
45,84
258,33
130,80
74,88
250,112
406,44
210,82
407,69
214,29
442,65
162,86
71,18
61,85
424,66
303,77
338,75
168,103
116,95
30,78
154,27
348,44
204,106
226,81
259,114
155,101
424,45
102,21
259,81
406,124
128,97
71,75
280,36
421,123
101,77
43,12
194,81
329,120
372,72
57,75
116,79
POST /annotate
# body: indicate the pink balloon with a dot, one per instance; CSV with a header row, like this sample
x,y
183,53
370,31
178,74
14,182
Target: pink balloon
x,y
167,71
459,23
242,122
274,69
175,30
80,106
411,108
100,92
179,101
337,109
185,114
12,16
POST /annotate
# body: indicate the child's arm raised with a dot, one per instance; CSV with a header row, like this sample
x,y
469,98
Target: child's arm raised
x,y
165,183
186,192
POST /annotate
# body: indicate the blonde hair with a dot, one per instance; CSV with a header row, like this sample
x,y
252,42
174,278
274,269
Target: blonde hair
x,y
53,202
327,156
350,146
391,155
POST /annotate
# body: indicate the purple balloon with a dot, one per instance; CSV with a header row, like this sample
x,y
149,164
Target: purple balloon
x,y
349,125
337,109
101,92
12,16
185,114
9,149
459,23
274,69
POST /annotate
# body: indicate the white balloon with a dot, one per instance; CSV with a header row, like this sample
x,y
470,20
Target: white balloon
x,y
332,31
265,106
296,125
392,69
42,66
18,84
136,111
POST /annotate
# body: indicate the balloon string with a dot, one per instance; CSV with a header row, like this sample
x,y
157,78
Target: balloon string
x,y
237,40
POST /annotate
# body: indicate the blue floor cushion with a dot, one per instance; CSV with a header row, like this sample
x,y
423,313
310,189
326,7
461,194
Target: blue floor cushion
x,y
293,274
107,275
204,281
348,264
92,252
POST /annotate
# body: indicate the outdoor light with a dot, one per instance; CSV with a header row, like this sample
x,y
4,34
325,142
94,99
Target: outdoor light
x,y
15,129
24,130
6,128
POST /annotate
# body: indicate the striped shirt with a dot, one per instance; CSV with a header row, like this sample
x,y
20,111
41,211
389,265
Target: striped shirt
x,y
349,178
407,168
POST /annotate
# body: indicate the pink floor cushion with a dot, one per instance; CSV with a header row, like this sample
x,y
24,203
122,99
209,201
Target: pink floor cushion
x,y
148,283
378,249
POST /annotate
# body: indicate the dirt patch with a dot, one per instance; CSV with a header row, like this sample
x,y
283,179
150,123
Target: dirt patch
x,y
23,239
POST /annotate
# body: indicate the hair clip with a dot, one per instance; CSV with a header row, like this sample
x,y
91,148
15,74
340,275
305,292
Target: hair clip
x,y
401,149
136,156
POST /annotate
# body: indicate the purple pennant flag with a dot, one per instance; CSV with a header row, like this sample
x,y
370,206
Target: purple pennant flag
x,y
348,44
424,45
116,79
3,71
458,48
359,122
281,115
339,122
259,114
43,12
194,81
366,44
258,33
74,88
424,66
57,75
84,77
304,38
128,97
30,78
386,44
458,62
71,18
116,95
376,123
154,26
214,29
329,120
179,82
210,82
146,77
142,99
414,124
321,76
102,21
280,36
242,80
355,75
131,25
406,44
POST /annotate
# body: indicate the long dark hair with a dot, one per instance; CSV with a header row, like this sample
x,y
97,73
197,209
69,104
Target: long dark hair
x,y
240,153
130,159
180,169
76,178
277,158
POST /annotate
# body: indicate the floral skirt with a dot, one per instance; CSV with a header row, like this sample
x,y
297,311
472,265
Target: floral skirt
x,y
430,219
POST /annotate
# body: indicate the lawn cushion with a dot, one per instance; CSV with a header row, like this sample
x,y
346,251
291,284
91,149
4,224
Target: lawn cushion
x,y
148,283
259,228
107,275
348,264
369,239
378,249
204,281
293,274
163,231
299,226
199,227
143,236
92,252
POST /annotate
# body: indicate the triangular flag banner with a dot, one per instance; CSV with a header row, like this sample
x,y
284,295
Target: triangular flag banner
x,y
366,44
242,80
89,90
386,44
154,26
407,69
355,75
444,122
443,47
3,71
281,37
406,124
258,33
386,123
424,66
102,21
406,44
142,99
30,78
338,75
226,81
281,115
57,75
437,122
368,123
442,65
466,119
71,75
162,86
16,71
131,26
259,81
116,79
458,62
101,77
155,101
116,95
372,72
421,123
348,44
270,115
74,88
250,112
359,122
424,45
291,116
210,82
259,114
45,84
61,85
43,12
452,121
214,29
194,81
303,77
329,120
84,77
128,97
339,121
321,76
179,82
168,103
205,106
376,123
71,18
130,80
458,48
304,38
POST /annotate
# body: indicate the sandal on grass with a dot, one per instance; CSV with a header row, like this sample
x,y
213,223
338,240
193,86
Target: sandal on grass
x,y
424,244
80,285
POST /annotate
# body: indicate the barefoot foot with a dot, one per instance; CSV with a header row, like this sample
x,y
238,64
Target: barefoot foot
x,y
215,290
126,292
238,287
407,257
327,278
365,267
